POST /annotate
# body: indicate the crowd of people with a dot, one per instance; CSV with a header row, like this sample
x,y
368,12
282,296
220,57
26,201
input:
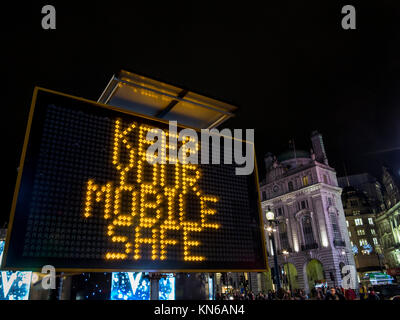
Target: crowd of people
x,y
321,293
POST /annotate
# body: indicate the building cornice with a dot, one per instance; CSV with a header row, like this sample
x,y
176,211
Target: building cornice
x,y
297,170
303,191
388,212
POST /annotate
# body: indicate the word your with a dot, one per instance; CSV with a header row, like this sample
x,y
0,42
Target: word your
x,y
188,153
49,20
157,195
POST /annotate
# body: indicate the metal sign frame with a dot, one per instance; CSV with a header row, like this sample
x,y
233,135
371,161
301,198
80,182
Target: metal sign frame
x,y
78,270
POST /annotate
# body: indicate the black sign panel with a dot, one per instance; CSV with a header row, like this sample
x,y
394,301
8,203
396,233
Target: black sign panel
x,y
87,199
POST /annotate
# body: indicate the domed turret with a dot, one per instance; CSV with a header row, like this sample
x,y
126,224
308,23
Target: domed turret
x,y
292,159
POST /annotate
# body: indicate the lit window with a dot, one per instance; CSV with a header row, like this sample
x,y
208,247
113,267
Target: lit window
x,y
361,232
347,222
363,242
375,241
358,222
349,234
373,231
370,221
305,181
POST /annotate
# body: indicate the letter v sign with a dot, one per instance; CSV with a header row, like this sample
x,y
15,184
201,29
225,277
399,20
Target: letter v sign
x,y
7,283
134,281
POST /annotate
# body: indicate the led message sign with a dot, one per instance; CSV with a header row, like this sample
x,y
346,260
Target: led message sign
x,y
87,197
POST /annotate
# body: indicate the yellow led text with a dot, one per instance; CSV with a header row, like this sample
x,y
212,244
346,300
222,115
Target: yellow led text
x,y
157,215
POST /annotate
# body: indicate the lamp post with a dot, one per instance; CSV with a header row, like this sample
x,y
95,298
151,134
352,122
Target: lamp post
x,y
286,254
379,260
272,222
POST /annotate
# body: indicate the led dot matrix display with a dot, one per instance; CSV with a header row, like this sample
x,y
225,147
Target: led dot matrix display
x,y
88,198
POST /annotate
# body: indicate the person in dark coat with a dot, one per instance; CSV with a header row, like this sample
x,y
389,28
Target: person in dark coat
x,y
372,296
350,294
332,294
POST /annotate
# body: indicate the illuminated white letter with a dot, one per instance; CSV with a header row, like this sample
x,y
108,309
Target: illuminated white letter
x,y
7,283
215,146
190,145
349,280
49,20
157,147
49,281
173,142
349,20
248,159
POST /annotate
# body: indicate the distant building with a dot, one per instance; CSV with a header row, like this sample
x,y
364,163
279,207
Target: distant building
x,y
368,185
388,222
392,185
3,234
361,224
302,189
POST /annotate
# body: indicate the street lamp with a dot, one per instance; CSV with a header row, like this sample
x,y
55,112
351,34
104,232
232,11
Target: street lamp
x,y
379,260
270,229
286,254
270,216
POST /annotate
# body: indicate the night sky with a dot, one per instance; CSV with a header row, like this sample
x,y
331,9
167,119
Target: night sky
x,y
290,69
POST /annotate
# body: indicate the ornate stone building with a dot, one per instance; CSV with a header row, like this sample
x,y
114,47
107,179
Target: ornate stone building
x,y
391,184
361,223
368,185
388,222
302,189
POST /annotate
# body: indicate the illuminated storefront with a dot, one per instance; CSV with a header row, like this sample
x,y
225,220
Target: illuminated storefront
x,y
136,286
14,285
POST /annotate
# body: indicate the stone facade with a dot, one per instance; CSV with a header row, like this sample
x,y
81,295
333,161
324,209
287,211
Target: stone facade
x,y
388,221
302,190
368,185
363,233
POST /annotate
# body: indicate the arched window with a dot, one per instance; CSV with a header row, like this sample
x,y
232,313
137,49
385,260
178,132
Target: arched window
x,y
335,226
308,231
